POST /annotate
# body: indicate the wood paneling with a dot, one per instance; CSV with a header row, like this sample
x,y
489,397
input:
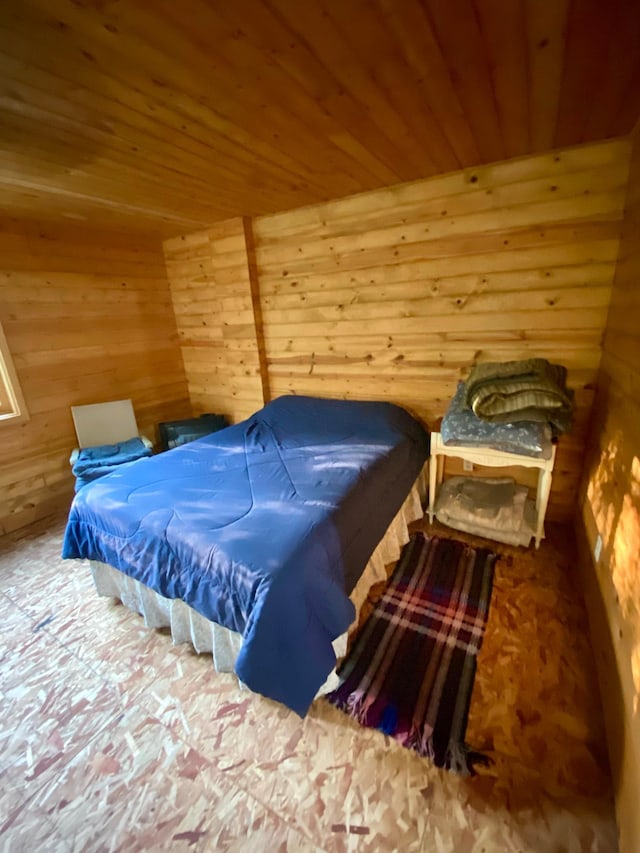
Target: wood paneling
x,y
88,318
173,116
395,294
218,321
610,508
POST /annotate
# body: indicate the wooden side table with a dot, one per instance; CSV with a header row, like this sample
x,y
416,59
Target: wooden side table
x,y
491,458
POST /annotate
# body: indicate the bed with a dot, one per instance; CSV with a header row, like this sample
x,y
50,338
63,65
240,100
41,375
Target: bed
x,y
263,528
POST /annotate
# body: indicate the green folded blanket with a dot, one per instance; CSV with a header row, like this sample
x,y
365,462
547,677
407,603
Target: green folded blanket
x,y
529,390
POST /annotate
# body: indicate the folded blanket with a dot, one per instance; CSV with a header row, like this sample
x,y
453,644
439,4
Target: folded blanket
x,y
521,537
94,473
493,501
461,427
109,455
531,390
496,508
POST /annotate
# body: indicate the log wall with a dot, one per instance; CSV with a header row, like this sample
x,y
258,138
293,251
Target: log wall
x,y
610,509
394,294
218,316
88,318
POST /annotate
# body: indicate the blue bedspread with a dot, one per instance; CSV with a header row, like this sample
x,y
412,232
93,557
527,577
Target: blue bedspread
x,y
263,527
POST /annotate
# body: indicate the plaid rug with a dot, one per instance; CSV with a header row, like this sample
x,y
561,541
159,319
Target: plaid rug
x,y
411,670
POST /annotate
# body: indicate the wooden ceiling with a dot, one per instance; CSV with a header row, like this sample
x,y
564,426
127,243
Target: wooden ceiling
x,y
172,115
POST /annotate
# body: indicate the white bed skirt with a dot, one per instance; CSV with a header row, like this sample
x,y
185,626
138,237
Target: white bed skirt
x,y
188,626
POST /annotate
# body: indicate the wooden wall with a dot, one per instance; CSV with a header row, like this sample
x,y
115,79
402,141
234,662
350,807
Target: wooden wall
x,y
610,508
394,294
212,284
88,318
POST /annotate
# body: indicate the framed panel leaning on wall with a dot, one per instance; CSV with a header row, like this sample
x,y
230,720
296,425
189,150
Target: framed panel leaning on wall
x,y
13,408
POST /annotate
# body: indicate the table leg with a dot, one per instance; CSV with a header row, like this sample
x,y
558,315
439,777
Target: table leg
x,y
542,499
433,470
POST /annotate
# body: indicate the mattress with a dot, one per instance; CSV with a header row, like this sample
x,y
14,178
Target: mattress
x,y
263,527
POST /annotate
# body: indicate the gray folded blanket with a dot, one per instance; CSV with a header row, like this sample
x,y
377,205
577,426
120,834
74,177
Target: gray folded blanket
x,y
461,427
495,507
529,390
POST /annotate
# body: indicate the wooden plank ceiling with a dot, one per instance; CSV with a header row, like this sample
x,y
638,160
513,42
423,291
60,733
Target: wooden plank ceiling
x,y
171,116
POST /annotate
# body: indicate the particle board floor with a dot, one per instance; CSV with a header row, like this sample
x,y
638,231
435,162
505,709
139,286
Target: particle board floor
x,y
111,738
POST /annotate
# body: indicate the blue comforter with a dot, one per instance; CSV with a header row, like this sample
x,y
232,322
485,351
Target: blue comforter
x,y
263,527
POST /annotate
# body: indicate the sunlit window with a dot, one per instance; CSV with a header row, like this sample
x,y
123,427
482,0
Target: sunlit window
x,y
12,405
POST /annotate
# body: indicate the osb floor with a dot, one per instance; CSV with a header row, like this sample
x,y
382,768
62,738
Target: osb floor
x,y
113,739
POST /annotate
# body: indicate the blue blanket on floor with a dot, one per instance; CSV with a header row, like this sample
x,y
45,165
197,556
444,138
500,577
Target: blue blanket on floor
x,y
263,527
94,462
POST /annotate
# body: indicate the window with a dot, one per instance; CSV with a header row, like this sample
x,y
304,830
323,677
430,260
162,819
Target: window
x,y
12,405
